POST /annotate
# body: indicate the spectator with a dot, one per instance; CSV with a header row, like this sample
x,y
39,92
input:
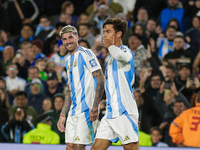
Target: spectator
x,y
193,34
165,44
142,17
43,28
27,34
4,41
138,29
47,105
68,9
172,112
116,7
174,10
4,99
3,119
85,34
21,101
196,65
145,112
31,58
171,72
156,136
2,83
140,56
105,53
174,22
22,64
15,129
33,73
26,48
50,66
43,133
149,94
151,29
186,83
41,65
83,18
13,82
8,54
84,43
153,7
37,47
99,14
58,103
179,51
184,129
52,38
53,86
36,95
20,13
193,8
62,55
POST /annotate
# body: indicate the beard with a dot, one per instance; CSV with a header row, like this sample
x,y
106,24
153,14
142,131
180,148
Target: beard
x,y
72,48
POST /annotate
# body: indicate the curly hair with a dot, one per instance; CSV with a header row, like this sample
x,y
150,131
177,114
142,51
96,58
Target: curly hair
x,y
118,25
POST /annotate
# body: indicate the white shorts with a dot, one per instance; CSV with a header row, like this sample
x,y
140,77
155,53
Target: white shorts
x,y
123,128
79,129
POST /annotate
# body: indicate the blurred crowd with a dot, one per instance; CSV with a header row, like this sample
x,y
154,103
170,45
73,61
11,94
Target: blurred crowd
x,y
164,36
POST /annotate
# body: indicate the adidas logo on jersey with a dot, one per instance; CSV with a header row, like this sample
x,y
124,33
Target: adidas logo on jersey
x,y
126,138
77,138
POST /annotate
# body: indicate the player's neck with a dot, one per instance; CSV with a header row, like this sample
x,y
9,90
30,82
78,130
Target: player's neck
x,y
118,43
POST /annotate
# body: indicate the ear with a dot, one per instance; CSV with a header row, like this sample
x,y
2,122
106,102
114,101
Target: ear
x,y
119,34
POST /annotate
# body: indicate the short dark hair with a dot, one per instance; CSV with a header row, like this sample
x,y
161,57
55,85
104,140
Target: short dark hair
x,y
170,27
171,67
21,93
33,67
86,42
156,129
118,25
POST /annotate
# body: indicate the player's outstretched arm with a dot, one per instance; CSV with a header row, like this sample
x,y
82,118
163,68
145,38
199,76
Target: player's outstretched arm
x,y
98,74
65,109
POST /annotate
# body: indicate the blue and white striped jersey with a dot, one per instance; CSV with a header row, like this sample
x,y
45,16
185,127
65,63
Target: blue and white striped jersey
x,y
79,67
119,80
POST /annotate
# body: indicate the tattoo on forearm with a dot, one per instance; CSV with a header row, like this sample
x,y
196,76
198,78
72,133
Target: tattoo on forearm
x,y
67,102
100,86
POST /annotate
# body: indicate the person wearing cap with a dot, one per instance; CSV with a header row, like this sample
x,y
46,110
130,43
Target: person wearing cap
x,y
36,95
84,89
58,103
13,82
53,85
42,134
37,47
140,53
